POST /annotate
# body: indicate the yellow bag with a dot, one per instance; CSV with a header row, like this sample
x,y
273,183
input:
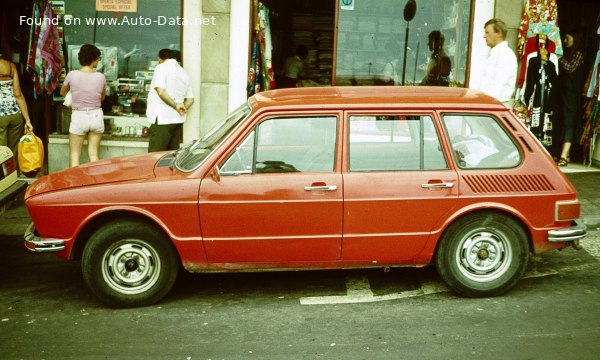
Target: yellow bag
x,y
31,154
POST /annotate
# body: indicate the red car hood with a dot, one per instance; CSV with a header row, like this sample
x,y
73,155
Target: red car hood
x,y
119,169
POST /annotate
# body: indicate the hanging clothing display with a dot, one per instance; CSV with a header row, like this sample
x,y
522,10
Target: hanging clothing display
x,y
540,93
591,110
539,17
538,29
532,45
45,58
261,76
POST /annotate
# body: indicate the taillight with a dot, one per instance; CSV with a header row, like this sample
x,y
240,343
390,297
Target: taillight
x,y
567,210
9,166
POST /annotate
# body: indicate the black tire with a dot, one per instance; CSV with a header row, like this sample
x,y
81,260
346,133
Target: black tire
x,y
129,264
483,254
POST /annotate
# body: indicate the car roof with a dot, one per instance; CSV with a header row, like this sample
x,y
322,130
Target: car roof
x,y
384,96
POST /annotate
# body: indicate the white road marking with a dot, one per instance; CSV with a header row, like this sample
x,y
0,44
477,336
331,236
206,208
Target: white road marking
x,y
359,291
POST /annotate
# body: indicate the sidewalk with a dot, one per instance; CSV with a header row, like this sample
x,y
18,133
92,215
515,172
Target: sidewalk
x,y
586,180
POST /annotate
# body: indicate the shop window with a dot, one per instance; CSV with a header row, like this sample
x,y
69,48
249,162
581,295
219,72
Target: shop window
x,y
129,41
371,34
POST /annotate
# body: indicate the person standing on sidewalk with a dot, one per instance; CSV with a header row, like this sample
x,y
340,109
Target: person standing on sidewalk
x,y
13,106
572,81
88,89
169,98
500,69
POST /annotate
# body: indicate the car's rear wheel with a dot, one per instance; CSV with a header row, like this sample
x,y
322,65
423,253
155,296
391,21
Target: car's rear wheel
x,y
129,263
483,254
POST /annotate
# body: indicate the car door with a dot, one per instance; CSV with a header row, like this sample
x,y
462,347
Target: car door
x,y
397,187
279,195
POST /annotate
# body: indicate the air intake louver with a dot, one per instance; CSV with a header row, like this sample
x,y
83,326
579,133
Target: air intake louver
x,y
508,183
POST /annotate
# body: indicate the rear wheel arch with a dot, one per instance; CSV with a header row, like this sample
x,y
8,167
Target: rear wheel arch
x,y
498,211
483,253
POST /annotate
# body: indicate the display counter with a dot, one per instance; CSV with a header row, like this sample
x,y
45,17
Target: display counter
x,y
123,136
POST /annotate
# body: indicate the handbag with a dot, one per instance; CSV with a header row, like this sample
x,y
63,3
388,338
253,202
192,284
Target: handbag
x,y
68,99
30,154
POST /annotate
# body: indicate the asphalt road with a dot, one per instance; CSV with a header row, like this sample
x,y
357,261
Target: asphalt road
x,y
46,312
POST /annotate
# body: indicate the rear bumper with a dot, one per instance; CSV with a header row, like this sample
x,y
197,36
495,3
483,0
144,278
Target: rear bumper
x,y
37,244
12,191
571,234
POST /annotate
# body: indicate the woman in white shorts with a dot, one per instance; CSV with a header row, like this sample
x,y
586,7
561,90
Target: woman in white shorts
x,y
88,90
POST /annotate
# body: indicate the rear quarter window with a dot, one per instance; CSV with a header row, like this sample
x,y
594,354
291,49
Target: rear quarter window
x,y
480,142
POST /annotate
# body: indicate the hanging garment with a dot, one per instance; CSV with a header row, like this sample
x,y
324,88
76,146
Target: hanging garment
x,y
532,45
45,57
591,85
266,46
541,94
539,17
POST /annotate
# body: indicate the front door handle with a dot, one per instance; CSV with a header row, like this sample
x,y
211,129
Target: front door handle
x,y
321,188
441,185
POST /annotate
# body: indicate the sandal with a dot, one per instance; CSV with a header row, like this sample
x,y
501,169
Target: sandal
x,y
563,162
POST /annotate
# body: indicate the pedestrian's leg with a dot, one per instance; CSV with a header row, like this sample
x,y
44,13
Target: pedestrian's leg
x,y
175,137
14,131
159,138
3,130
94,145
75,144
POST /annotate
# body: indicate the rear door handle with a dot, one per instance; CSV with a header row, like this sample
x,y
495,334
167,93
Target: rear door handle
x,y
437,185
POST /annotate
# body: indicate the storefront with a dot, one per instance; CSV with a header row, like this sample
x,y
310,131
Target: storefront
x,y
349,42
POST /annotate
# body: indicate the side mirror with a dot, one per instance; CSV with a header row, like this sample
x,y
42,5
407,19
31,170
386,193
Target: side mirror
x,y
215,174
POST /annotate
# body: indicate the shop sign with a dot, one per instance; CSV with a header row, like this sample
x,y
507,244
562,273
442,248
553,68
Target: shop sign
x,y
58,6
116,5
347,4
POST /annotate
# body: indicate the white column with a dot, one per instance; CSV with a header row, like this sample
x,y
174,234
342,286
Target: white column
x,y
484,11
238,52
191,51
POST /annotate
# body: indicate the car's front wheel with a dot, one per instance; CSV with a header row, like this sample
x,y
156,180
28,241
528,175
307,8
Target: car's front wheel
x,y
482,254
129,263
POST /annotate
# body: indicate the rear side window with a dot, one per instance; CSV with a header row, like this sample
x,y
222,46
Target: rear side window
x,y
394,142
480,142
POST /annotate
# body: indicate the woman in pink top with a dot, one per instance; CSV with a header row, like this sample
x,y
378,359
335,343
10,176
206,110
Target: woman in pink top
x,y
88,90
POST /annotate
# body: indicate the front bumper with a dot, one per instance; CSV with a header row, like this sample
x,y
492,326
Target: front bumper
x,y
571,234
37,244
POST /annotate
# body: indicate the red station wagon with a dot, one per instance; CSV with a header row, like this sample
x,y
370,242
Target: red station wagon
x,y
317,178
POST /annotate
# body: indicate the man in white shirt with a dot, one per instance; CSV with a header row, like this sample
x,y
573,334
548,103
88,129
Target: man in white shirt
x,y
500,70
169,97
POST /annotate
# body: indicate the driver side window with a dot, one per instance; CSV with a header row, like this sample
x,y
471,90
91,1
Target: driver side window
x,y
294,144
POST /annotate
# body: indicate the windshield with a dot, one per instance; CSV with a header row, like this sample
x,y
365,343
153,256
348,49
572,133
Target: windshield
x,y
190,156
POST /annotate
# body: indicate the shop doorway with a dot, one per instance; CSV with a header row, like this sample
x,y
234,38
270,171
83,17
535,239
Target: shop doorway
x,y
582,17
307,24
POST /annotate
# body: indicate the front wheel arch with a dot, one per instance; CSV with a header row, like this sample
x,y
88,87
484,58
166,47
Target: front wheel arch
x,y
102,219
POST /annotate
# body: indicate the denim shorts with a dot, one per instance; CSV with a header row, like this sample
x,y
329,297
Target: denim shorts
x,y
85,121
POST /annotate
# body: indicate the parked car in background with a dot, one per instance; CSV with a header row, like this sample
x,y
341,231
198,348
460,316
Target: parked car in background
x,y
317,178
10,186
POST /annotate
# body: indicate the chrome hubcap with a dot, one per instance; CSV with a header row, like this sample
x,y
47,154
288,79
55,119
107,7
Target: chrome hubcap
x,y
483,255
131,267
